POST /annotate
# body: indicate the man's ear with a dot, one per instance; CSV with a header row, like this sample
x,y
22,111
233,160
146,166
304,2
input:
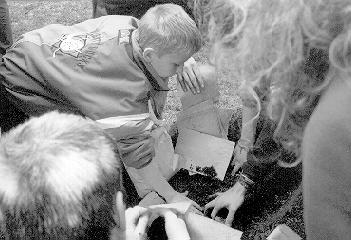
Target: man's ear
x,y
148,54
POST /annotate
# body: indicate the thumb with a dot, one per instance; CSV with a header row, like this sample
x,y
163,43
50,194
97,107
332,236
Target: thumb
x,y
185,193
235,169
175,227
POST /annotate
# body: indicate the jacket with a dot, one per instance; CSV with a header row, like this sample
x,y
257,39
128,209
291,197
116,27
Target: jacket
x,y
94,68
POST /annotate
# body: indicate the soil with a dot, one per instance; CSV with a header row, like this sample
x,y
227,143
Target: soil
x,y
275,200
208,171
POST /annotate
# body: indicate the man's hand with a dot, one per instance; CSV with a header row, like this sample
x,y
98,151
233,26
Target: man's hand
x,y
240,157
131,223
189,77
174,225
231,199
182,197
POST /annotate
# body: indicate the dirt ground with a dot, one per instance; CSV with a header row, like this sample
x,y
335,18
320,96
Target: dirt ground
x,y
276,200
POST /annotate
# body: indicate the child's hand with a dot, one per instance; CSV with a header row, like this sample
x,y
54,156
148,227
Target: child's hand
x,y
232,199
174,225
181,197
131,223
189,77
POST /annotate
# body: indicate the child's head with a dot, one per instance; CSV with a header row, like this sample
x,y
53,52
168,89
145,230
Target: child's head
x,y
168,37
60,175
299,46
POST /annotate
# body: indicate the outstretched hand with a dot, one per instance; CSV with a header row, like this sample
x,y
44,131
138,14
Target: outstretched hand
x,y
189,77
232,199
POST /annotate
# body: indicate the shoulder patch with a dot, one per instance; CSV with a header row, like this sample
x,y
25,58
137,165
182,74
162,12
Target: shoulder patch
x,y
81,46
124,36
71,44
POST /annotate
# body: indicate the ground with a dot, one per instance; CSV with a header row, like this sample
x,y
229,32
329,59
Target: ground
x,y
276,200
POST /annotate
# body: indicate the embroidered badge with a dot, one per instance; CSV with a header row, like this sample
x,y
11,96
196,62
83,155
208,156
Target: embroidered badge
x,y
71,44
80,46
124,36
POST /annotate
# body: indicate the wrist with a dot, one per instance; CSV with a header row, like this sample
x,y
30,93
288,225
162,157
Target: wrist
x,y
168,195
243,180
239,189
245,144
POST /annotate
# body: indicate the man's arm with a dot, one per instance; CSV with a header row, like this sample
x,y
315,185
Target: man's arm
x,y
153,177
248,127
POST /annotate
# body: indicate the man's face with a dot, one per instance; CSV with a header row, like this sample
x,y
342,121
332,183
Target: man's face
x,y
168,64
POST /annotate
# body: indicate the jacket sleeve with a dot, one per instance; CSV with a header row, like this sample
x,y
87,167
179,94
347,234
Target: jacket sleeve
x,y
133,138
24,84
266,151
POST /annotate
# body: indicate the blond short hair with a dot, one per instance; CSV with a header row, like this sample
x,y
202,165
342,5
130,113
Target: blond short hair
x,y
167,28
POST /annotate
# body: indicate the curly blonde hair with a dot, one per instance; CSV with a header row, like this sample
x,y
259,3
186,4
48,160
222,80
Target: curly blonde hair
x,y
299,46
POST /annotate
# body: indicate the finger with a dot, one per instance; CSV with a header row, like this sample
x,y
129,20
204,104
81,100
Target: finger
x,y
215,195
196,211
154,214
166,213
176,229
120,211
230,218
181,82
185,193
198,76
188,82
142,224
210,205
161,211
181,223
152,218
215,211
236,168
233,159
193,78
197,206
132,216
